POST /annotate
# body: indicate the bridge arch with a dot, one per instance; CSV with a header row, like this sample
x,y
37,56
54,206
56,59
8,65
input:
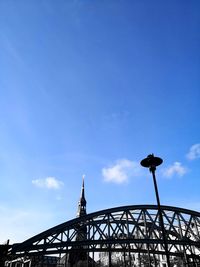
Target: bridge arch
x,y
127,229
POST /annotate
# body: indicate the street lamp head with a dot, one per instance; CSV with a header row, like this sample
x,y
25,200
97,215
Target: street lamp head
x,y
151,161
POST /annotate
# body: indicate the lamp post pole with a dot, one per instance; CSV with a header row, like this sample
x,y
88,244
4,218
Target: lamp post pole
x,y
152,162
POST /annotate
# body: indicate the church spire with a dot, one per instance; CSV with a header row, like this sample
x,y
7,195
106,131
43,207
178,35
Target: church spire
x,y
82,202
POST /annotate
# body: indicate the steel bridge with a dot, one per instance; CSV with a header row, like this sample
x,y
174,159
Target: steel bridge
x,y
128,229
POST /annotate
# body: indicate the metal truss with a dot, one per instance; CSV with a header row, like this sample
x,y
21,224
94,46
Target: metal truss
x,y
125,229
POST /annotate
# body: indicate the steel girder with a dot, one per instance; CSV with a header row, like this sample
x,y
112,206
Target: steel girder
x,y
126,229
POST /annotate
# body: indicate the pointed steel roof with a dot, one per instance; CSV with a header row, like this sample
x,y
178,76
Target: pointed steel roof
x,y
82,201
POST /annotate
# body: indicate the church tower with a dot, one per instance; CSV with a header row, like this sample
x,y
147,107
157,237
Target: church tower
x,y
79,257
82,202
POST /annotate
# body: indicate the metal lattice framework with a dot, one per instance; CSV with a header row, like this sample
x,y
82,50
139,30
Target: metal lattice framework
x,y
129,228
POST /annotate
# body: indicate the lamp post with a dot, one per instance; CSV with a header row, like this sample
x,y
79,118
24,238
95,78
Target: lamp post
x,y
152,162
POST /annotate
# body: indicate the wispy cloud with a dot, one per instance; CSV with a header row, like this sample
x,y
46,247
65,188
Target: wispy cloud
x,y
175,169
194,152
23,223
121,171
11,48
48,182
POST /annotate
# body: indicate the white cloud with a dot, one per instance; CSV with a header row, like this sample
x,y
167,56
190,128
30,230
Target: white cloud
x,y
194,152
48,182
175,169
121,171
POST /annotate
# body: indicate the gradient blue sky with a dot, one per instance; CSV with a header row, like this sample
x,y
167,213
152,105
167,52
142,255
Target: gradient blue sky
x,y
93,87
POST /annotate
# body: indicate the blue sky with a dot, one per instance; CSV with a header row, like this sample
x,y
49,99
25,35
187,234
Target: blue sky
x,y
93,87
